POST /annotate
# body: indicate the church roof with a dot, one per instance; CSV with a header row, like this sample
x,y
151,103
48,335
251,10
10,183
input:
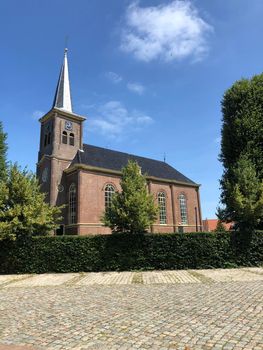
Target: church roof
x,y
115,160
62,98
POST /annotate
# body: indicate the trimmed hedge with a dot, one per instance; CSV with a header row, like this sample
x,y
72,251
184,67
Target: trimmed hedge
x,y
130,252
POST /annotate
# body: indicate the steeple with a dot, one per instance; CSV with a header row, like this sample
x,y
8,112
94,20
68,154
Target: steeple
x,y
62,98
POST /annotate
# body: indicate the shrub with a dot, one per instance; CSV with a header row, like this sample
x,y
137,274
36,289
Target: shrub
x,y
130,252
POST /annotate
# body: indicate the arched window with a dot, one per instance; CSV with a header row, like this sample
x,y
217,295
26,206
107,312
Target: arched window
x,y
45,140
65,137
109,192
183,208
49,138
47,134
71,139
162,207
72,204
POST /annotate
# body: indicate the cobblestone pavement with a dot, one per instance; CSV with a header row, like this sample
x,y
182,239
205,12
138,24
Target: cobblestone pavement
x,y
202,309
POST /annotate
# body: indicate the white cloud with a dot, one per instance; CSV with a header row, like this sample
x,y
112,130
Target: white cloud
x,y
37,114
114,77
136,87
87,106
115,119
167,32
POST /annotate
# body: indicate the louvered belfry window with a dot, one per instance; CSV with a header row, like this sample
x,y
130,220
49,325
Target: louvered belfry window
x,y
65,137
71,139
49,138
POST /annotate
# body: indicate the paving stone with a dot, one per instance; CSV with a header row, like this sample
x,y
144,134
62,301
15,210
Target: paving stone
x,y
12,278
14,347
47,279
167,277
254,269
122,278
229,275
107,311
106,278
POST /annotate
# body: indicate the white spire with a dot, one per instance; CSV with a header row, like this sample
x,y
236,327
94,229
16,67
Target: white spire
x,y
62,98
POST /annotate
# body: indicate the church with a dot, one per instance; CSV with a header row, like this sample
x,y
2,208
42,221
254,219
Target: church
x,y
84,177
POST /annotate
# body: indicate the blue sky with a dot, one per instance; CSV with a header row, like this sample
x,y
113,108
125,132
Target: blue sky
x,y
149,75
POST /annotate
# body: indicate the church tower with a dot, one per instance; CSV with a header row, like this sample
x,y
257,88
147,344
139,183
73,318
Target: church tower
x,y
60,139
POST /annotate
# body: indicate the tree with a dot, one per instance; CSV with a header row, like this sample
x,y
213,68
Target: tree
x,y
3,153
23,210
132,210
220,227
247,196
241,153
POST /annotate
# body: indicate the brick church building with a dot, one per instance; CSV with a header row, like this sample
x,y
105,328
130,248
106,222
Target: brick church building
x,y
84,177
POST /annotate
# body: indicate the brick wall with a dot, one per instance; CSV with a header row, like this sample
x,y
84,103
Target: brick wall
x,y
91,203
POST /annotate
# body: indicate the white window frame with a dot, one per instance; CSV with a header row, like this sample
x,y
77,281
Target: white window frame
x,y
162,208
183,209
109,191
72,204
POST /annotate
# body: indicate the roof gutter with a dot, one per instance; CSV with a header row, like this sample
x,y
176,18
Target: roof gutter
x,y
84,167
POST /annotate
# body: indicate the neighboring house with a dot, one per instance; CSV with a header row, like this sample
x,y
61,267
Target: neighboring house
x,y
210,225
84,177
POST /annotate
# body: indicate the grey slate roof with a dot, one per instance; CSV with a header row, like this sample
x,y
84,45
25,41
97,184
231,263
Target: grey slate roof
x,y
114,160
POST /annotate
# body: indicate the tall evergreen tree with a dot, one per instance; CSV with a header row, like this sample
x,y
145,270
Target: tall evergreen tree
x,y
242,152
3,153
132,210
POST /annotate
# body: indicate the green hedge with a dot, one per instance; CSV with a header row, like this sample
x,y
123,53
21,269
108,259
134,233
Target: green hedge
x,y
130,252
